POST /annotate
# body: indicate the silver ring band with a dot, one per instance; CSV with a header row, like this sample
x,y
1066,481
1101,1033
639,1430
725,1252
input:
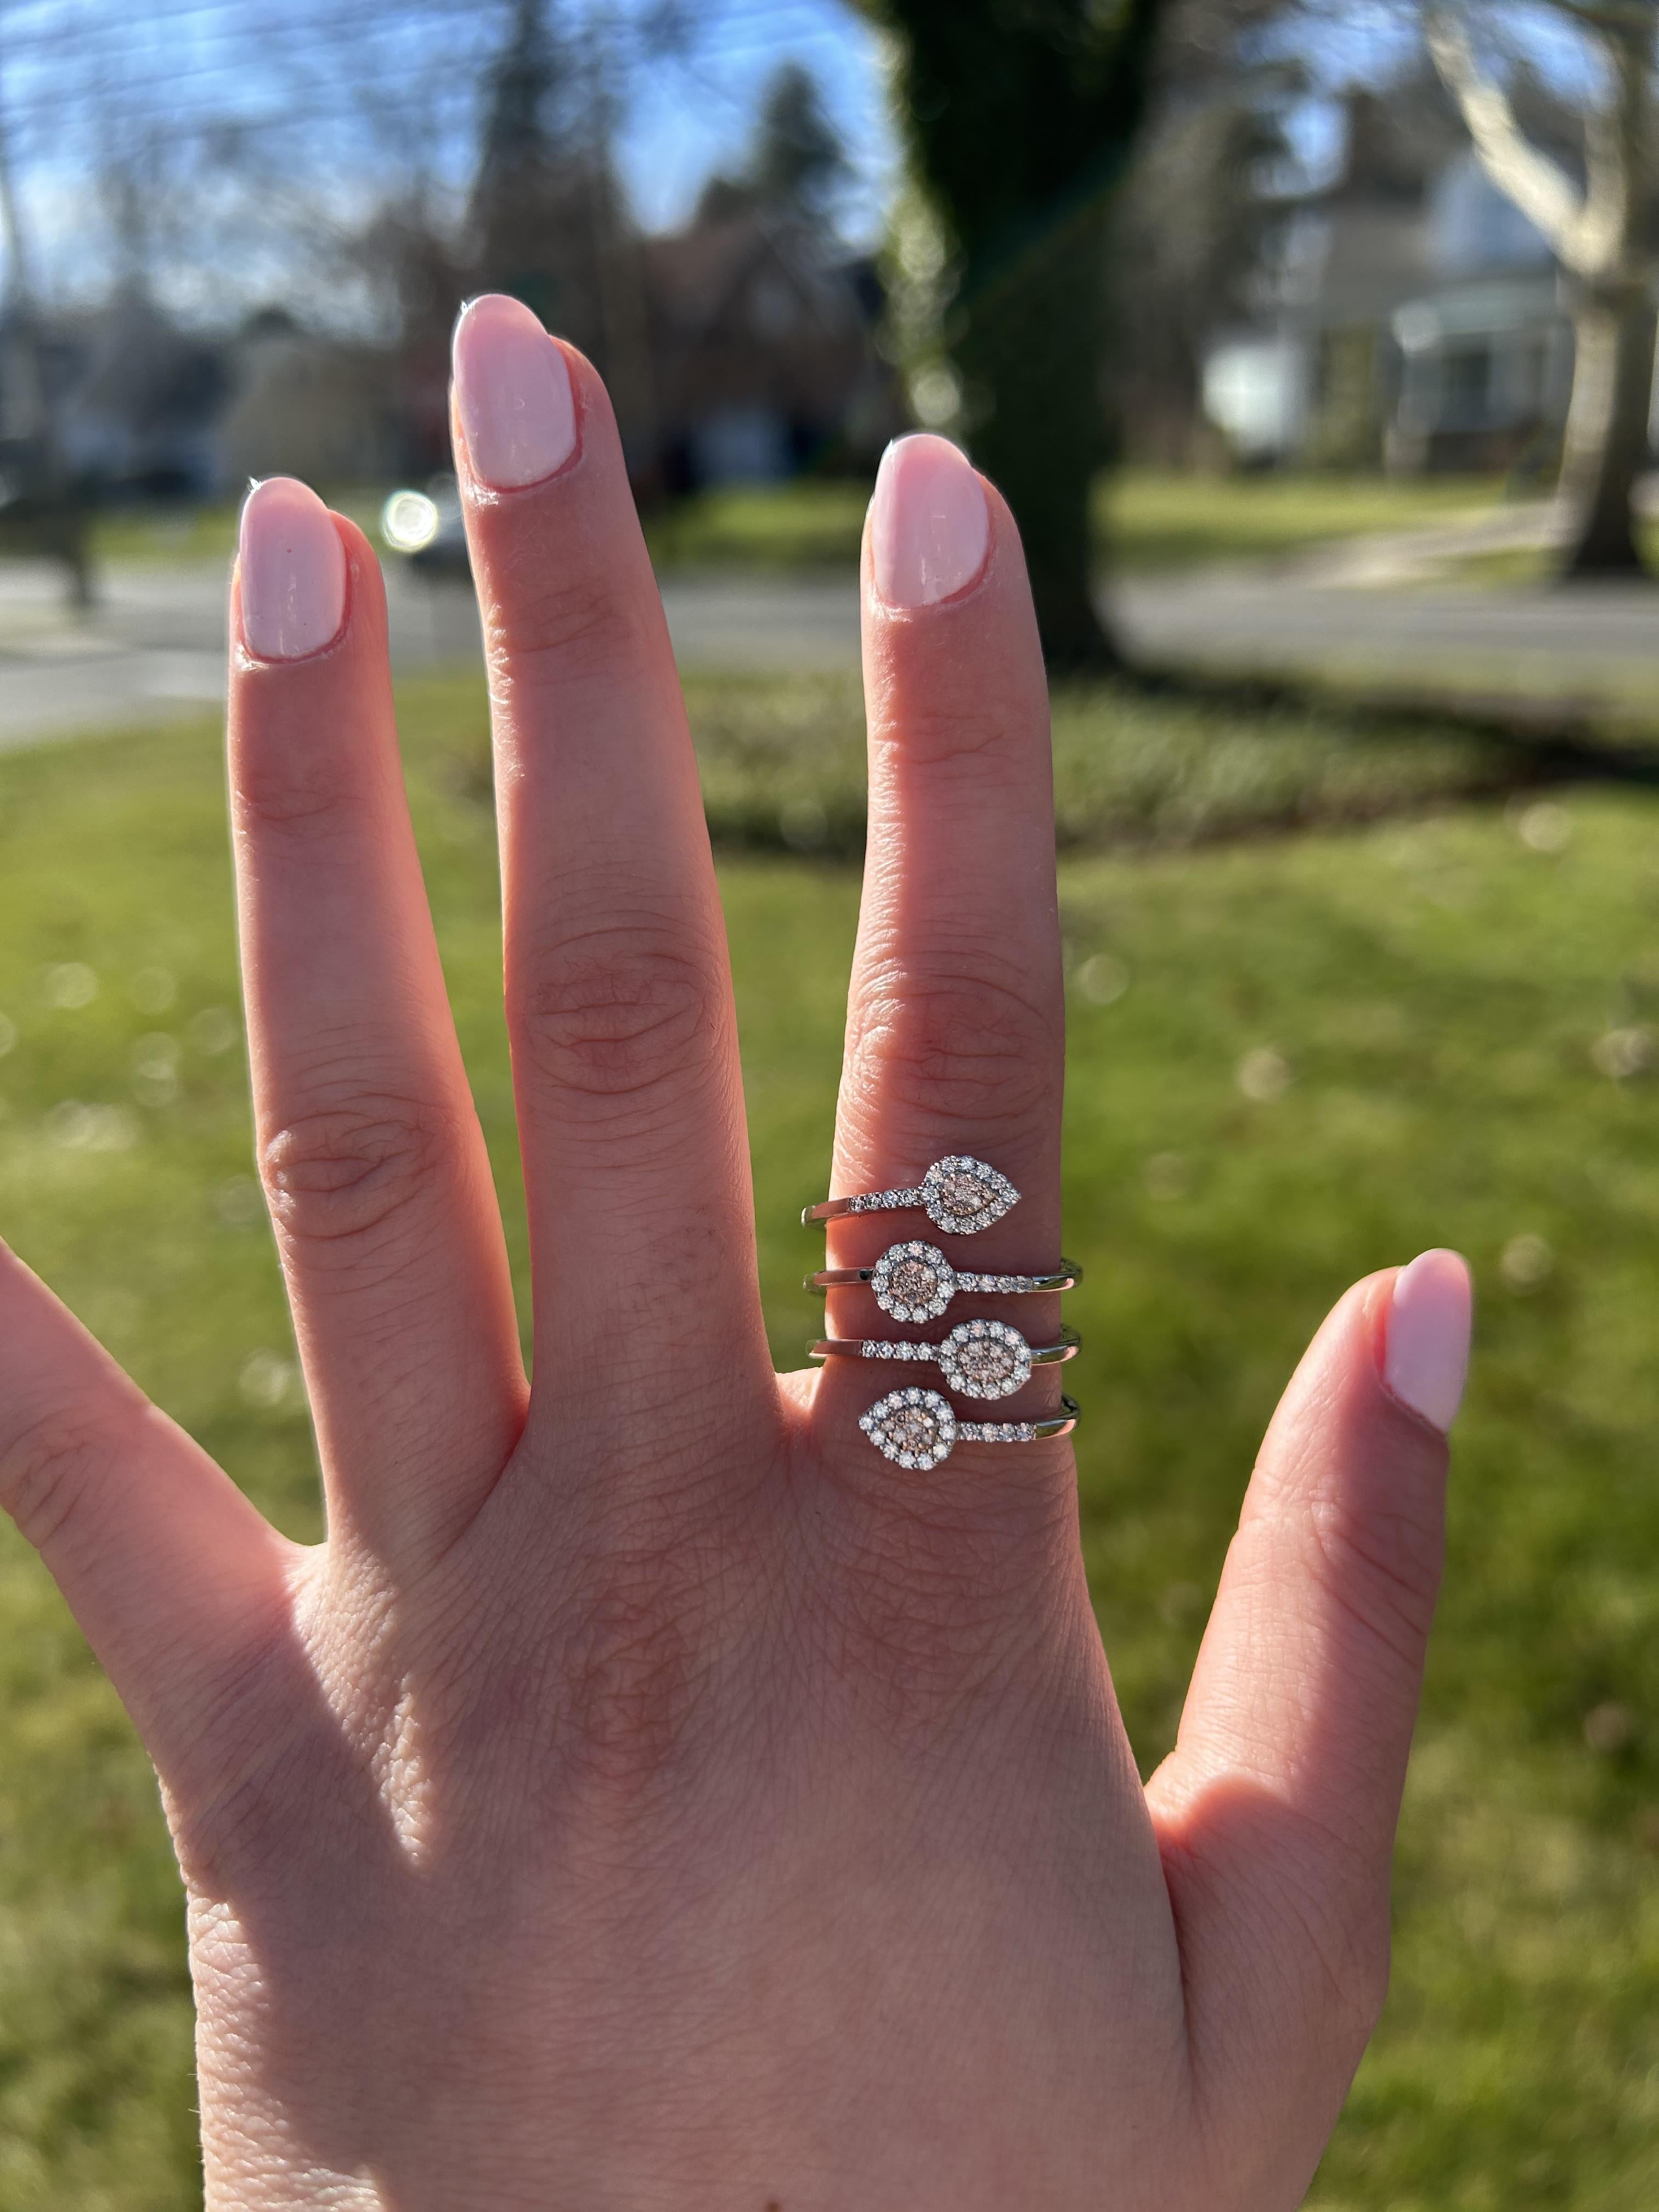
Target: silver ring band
x,y
918,1429
916,1282
958,1193
979,1358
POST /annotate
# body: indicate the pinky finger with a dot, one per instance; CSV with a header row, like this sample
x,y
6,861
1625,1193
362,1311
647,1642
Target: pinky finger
x,y
1277,1809
168,1569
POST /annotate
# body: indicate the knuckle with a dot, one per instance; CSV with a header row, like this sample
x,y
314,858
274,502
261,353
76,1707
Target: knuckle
x,y
343,1175
307,788
578,624
1383,1570
619,1012
974,1048
982,734
48,1463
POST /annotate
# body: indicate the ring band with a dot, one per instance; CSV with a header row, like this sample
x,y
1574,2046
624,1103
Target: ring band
x,y
916,1282
959,1195
979,1358
918,1429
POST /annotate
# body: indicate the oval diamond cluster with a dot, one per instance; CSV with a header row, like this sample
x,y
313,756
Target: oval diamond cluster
x,y
985,1359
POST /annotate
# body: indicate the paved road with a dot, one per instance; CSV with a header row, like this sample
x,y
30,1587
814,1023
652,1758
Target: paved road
x,y
1581,639
157,643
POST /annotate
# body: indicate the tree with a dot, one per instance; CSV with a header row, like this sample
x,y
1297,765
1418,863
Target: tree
x,y
1021,115
532,213
798,159
1203,211
1603,232
795,164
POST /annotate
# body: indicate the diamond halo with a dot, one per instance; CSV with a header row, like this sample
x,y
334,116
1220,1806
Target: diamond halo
x,y
985,1359
912,1427
962,1196
914,1282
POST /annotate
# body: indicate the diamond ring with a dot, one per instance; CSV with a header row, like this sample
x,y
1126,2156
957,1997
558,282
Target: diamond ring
x,y
917,1428
979,1358
916,1282
958,1195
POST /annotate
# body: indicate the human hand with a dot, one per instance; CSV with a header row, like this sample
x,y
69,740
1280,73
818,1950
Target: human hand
x,y
650,1797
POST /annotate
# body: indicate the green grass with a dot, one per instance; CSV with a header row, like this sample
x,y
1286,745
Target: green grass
x,y
1149,520
783,765
1153,521
1432,992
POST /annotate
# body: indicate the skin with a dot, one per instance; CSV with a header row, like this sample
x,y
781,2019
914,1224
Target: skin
x,y
648,1796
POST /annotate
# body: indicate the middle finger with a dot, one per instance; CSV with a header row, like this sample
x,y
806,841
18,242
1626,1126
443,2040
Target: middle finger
x,y
619,995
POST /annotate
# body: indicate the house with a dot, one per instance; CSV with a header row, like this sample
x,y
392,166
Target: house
x,y
763,353
1418,319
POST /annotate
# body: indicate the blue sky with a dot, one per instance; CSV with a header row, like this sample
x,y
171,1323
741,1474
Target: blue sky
x,y
339,102
333,99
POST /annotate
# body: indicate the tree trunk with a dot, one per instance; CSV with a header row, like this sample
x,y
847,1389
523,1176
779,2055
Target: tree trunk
x,y
1028,346
1607,429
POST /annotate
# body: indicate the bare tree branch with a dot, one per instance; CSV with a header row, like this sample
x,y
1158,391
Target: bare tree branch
x,y
1586,230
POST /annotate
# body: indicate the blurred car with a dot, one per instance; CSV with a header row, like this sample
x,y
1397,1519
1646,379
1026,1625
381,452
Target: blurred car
x,y
425,527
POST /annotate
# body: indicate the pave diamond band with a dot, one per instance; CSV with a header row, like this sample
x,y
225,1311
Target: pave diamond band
x,y
916,1282
958,1193
917,1429
979,1358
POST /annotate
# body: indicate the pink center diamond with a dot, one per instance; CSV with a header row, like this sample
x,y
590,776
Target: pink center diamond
x,y
914,1282
912,1429
988,1364
965,1195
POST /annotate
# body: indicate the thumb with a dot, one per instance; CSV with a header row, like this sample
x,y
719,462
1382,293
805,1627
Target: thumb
x,y
1276,1811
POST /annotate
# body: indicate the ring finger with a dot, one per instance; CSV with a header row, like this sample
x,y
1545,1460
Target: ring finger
x,y
955,1041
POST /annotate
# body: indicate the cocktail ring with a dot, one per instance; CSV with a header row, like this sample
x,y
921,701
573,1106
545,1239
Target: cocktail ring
x,y
980,1359
916,1282
958,1195
917,1428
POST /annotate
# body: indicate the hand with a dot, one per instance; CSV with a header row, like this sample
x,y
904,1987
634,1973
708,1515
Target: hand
x,y
650,1797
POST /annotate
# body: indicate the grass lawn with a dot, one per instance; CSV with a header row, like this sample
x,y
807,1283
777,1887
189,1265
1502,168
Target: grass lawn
x,y
1152,520
1149,520
1293,1060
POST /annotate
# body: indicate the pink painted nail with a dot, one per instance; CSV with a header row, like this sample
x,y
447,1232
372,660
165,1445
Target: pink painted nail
x,y
513,395
292,569
929,525
1427,1361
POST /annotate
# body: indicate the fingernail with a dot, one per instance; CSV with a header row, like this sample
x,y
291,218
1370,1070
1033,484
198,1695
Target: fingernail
x,y
1426,1359
292,569
512,394
929,525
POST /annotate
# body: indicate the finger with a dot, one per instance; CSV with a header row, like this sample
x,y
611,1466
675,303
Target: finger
x,y
167,1568
954,1039
372,1159
619,998
1277,1809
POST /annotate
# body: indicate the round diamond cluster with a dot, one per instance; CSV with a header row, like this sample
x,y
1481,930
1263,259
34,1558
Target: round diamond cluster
x,y
985,1359
914,1282
913,1428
